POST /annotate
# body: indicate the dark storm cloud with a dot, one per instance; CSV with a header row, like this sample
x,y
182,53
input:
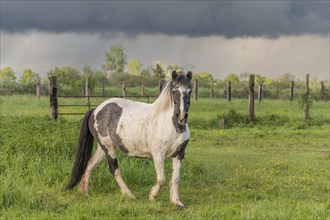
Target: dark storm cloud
x,y
190,18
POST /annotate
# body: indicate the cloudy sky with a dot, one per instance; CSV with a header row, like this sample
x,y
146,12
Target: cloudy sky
x,y
220,37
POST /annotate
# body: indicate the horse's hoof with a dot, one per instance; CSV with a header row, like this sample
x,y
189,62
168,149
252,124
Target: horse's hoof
x,y
178,204
151,198
83,192
130,195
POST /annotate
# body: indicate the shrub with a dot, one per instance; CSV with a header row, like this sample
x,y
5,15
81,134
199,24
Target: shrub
x,y
234,119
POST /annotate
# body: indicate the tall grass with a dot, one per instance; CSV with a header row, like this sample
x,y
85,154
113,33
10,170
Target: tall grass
x,y
261,171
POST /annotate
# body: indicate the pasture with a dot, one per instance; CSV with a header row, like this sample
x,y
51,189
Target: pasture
x,y
277,168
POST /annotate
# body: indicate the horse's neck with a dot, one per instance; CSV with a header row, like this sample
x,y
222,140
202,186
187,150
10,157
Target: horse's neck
x,y
161,116
159,111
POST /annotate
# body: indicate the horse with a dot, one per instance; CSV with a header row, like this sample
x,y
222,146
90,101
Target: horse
x,y
157,130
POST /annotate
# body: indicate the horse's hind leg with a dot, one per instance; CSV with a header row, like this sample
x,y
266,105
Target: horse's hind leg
x,y
111,155
92,163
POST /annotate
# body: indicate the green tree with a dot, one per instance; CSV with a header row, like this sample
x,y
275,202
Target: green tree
x,y
146,72
7,80
286,78
88,72
259,79
171,68
28,81
204,79
283,82
233,78
69,80
101,80
29,77
115,59
7,75
134,67
158,71
244,77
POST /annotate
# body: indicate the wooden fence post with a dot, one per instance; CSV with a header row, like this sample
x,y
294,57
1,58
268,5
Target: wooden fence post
x,y
322,91
53,97
87,88
260,92
291,90
306,99
212,92
37,88
89,103
123,90
196,90
229,91
160,85
251,98
222,123
142,90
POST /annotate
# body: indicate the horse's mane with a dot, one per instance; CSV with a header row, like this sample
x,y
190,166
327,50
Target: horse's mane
x,y
164,100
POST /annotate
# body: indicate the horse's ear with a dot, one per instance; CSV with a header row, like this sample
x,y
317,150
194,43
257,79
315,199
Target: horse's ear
x,y
174,75
189,75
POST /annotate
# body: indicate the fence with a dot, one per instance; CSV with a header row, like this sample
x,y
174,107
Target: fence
x,y
228,92
89,105
54,98
54,106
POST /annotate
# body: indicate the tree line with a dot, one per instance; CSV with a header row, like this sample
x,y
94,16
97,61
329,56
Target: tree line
x,y
112,74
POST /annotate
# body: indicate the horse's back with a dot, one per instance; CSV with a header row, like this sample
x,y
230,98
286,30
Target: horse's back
x,y
122,103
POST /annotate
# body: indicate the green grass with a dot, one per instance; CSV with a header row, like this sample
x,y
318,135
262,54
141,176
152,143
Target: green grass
x,y
276,168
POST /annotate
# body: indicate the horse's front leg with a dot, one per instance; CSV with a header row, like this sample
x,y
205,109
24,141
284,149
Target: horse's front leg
x,y
174,191
159,166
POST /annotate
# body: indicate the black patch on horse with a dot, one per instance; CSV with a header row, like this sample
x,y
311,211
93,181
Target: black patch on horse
x,y
108,118
113,163
178,127
180,151
182,80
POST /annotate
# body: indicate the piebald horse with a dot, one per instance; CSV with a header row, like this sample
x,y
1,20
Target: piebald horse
x,y
156,131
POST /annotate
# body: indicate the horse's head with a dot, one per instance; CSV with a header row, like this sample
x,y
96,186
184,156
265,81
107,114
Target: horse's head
x,y
181,90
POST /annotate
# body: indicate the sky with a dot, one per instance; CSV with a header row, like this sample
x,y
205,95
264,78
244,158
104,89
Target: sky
x,y
221,37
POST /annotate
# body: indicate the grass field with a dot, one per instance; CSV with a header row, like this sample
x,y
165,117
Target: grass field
x,y
277,168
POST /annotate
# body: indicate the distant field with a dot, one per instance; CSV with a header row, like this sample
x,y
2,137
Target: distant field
x,y
277,168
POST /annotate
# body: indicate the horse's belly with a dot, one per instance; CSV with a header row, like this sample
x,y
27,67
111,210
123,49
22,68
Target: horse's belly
x,y
138,152
134,142
136,147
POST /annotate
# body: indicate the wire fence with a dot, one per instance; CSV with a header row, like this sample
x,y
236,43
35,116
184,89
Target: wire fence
x,y
260,92
89,104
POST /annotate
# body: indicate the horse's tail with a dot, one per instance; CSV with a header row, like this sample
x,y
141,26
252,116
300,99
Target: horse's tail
x,y
84,152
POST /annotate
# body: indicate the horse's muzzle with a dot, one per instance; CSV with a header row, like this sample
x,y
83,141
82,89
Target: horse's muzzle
x,y
182,118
